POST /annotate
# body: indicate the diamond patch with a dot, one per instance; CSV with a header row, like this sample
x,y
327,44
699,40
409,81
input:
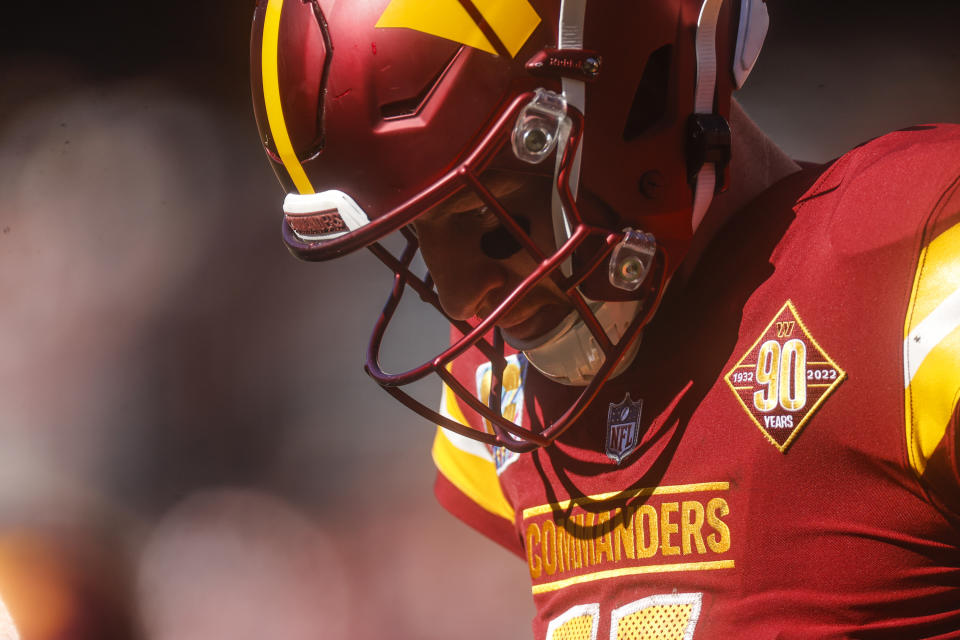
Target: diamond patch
x,y
784,378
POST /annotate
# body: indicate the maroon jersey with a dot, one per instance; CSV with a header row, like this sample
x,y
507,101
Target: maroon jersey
x,y
781,460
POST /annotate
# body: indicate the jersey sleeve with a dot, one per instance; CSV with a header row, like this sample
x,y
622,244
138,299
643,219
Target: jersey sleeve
x,y
931,356
467,484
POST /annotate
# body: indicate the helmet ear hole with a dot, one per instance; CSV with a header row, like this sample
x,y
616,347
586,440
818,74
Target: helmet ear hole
x,y
650,100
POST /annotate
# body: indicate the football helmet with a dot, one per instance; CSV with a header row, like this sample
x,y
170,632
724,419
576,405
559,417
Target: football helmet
x,y
373,112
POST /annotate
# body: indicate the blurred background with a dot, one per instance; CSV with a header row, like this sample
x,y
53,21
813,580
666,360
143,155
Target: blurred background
x,y
188,447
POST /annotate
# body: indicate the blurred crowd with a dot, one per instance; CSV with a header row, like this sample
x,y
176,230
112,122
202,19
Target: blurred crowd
x,y
189,447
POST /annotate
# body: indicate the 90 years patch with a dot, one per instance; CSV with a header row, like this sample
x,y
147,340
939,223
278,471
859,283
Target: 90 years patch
x,y
784,378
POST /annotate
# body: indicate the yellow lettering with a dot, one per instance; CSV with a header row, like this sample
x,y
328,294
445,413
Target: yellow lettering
x,y
575,531
586,541
793,397
623,534
563,561
768,373
648,538
691,522
604,539
549,547
718,542
667,528
533,531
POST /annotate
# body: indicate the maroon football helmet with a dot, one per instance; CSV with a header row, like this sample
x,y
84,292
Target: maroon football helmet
x,y
373,112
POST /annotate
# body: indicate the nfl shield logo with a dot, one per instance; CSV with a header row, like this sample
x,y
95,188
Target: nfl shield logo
x,y
623,428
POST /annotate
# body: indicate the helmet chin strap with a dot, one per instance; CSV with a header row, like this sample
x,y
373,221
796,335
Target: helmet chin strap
x,y
572,15
706,46
569,353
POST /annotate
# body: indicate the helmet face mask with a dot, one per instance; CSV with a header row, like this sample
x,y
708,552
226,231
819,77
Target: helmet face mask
x,y
363,155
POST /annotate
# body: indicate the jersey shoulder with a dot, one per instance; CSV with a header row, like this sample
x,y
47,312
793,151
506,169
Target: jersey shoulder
x,y
887,190
468,471
890,209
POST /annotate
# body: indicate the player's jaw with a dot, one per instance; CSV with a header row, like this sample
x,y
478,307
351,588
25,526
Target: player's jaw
x,y
472,287
472,280
528,321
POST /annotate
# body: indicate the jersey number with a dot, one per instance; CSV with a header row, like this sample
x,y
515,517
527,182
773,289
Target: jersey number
x,y
669,616
784,371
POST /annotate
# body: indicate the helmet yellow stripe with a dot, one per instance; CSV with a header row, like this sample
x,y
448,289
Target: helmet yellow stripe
x,y
513,21
271,98
443,18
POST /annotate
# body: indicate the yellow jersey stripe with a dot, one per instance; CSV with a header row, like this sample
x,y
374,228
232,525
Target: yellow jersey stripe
x,y
940,273
467,463
928,333
931,347
931,398
512,20
474,477
632,571
442,18
627,495
271,98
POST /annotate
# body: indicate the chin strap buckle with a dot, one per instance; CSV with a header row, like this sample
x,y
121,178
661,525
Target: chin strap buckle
x,y
708,140
631,259
540,126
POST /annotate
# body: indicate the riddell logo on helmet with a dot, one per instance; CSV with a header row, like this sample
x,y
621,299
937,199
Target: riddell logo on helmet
x,y
563,63
511,22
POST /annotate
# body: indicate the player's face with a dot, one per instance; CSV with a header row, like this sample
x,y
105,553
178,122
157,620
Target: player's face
x,y
476,263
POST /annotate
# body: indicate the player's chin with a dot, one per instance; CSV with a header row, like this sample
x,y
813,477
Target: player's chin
x,y
531,327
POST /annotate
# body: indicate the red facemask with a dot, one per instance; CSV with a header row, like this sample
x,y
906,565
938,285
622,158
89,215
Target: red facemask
x,y
373,115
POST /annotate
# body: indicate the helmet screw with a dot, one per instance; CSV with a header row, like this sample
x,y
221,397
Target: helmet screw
x,y
591,66
651,185
632,259
535,140
631,269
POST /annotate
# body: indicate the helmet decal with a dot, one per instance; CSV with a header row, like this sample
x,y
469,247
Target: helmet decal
x,y
510,22
271,97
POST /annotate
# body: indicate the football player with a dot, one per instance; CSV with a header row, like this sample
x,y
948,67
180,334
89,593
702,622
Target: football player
x,y
704,392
